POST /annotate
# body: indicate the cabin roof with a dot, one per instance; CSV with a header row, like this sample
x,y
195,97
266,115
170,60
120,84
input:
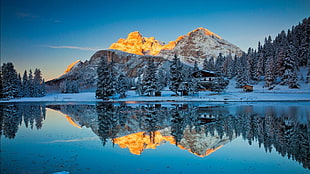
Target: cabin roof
x,y
204,73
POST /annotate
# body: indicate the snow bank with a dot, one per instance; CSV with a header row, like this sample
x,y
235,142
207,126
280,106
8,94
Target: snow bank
x,y
235,96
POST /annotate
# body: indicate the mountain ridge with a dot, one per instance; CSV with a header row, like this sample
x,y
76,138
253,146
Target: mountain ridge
x,y
183,46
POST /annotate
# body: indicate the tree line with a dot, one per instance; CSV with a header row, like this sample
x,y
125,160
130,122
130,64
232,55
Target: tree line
x,y
275,62
12,85
151,81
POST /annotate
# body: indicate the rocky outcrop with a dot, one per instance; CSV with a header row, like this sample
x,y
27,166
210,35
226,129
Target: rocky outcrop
x,y
198,45
85,73
136,44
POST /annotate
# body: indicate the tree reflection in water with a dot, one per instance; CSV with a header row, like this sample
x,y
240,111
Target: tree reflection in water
x,y
200,129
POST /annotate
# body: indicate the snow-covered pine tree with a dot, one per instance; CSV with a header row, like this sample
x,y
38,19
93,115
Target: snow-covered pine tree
x,y
69,86
250,63
218,67
290,68
242,77
205,64
38,84
25,88
1,85
162,78
30,84
260,66
10,81
123,85
106,86
270,73
176,76
149,81
19,85
228,67
304,47
210,66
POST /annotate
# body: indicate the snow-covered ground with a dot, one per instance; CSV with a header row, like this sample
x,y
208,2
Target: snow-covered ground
x,y
279,93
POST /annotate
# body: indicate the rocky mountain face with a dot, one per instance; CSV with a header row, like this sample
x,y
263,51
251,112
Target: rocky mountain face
x,y
136,44
85,73
131,55
197,45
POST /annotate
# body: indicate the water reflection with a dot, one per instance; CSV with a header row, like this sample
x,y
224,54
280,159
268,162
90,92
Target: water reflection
x,y
13,115
198,128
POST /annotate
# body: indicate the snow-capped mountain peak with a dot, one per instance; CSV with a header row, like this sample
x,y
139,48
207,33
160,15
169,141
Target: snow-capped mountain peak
x,y
196,45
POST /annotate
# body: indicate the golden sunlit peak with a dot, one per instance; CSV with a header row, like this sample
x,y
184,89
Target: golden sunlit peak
x,y
206,31
72,122
138,142
72,65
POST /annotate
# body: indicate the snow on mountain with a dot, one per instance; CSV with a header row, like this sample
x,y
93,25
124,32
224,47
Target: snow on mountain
x,y
132,53
135,43
129,64
198,45
73,65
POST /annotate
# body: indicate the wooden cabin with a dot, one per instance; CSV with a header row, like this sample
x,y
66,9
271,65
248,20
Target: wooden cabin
x,y
204,76
247,88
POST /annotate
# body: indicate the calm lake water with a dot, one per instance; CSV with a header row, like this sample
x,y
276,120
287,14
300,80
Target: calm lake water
x,y
155,138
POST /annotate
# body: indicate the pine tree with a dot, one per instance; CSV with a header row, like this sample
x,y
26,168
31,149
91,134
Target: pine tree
x,y
25,87
149,82
176,76
30,84
270,73
69,86
1,86
106,86
37,82
218,67
162,78
123,85
10,81
242,73
260,69
250,63
290,67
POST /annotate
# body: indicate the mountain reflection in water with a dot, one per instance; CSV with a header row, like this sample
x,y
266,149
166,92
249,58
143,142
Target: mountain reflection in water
x,y
199,128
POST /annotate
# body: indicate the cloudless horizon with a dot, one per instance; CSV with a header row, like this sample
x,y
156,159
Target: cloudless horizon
x,y
52,34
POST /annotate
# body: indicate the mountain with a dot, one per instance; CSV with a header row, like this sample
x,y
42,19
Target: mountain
x,y
86,72
197,45
131,55
135,43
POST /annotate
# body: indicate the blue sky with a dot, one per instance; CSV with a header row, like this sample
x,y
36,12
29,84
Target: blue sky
x,y
51,34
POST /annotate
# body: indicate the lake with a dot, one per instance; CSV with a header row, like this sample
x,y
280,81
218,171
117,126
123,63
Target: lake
x,y
133,137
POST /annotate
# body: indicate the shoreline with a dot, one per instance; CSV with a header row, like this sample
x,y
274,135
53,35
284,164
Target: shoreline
x,y
166,97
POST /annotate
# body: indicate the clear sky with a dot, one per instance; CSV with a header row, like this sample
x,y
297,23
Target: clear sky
x,y
51,34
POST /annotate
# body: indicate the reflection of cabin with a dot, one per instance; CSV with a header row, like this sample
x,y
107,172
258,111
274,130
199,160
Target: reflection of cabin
x,y
247,88
205,78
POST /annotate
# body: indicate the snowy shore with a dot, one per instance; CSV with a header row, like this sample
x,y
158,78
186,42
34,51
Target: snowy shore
x,y
166,96
231,94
